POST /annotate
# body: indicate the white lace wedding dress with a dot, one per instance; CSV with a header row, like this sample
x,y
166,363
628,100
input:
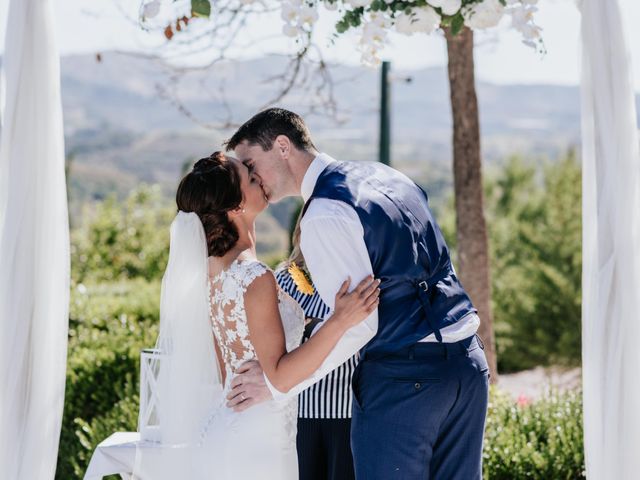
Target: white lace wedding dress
x,y
258,443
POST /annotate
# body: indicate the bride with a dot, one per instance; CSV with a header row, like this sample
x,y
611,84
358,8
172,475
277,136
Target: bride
x,y
221,307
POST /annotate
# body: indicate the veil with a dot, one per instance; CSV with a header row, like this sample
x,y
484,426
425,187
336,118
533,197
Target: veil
x,y
188,381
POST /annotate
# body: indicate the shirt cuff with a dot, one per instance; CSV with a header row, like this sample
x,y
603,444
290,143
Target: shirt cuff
x,y
275,393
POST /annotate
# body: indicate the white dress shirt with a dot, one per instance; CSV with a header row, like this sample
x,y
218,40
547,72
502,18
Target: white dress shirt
x,y
332,242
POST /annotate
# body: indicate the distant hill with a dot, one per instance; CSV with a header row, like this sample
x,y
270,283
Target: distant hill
x,y
117,121
123,125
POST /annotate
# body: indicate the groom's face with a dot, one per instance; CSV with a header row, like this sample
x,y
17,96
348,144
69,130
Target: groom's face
x,y
270,167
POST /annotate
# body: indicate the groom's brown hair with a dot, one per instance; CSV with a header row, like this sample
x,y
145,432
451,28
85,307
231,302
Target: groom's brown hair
x,y
263,128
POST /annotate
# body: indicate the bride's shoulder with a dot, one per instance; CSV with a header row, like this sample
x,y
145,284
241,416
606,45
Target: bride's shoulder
x,y
253,269
259,283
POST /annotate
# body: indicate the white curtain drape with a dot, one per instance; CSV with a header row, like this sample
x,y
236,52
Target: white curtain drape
x,y
34,247
611,247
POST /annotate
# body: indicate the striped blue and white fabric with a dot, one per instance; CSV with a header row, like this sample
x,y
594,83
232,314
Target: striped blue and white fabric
x,y
331,396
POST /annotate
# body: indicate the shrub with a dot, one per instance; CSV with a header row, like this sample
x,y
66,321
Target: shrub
x,y
127,302
535,236
123,240
103,362
123,417
538,441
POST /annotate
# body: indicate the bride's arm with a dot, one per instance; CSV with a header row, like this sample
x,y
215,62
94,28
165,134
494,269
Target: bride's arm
x,y
285,370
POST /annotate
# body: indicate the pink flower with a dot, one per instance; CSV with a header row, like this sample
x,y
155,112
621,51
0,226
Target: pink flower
x,y
523,401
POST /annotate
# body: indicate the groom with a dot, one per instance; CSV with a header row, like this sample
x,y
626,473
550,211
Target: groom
x,y
420,390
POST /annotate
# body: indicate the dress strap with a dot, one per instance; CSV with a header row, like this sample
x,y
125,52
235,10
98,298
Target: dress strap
x,y
251,269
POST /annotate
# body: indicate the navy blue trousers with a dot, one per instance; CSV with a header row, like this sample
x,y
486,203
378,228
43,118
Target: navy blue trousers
x,y
420,413
324,450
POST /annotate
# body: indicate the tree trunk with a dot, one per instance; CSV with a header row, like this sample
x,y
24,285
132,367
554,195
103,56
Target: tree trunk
x,y
472,241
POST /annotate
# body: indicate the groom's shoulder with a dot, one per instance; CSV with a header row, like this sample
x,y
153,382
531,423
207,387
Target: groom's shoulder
x,y
323,210
359,170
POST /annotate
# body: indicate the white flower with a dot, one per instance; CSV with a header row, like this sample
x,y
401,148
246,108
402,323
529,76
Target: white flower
x,y
426,19
380,20
290,30
522,20
370,59
151,9
530,31
308,16
420,20
330,5
359,3
449,7
374,36
247,2
521,15
404,24
289,12
485,14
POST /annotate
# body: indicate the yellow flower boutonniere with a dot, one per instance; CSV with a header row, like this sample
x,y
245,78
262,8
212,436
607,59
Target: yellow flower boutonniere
x,y
301,279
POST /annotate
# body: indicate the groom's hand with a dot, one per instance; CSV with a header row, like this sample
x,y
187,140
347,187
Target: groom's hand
x,y
248,387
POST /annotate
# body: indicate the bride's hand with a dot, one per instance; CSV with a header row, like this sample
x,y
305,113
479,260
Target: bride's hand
x,y
352,308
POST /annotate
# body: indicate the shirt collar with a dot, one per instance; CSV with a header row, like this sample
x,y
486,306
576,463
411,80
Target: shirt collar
x,y
310,178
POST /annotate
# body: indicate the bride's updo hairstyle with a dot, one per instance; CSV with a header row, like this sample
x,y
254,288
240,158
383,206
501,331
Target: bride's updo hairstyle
x,y
211,190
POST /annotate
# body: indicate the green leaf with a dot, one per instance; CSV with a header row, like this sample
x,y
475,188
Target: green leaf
x,y
342,26
201,8
457,22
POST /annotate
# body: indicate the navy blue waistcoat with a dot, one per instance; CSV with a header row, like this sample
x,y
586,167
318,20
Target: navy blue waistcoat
x,y
420,292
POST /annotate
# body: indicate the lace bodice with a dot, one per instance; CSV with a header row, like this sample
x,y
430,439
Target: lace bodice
x,y
229,319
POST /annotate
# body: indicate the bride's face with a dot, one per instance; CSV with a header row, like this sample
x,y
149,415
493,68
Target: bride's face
x,y
254,198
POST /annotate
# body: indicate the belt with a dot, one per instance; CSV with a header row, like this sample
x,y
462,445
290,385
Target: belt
x,y
432,349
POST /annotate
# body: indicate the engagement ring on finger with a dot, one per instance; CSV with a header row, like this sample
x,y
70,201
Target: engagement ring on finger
x,y
242,397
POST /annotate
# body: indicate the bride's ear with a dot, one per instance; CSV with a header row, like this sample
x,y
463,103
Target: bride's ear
x,y
239,210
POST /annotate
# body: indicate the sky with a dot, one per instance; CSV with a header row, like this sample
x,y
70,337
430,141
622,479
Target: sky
x,y
101,25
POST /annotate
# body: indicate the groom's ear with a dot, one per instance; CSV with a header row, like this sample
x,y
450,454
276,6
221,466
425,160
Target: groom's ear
x,y
283,145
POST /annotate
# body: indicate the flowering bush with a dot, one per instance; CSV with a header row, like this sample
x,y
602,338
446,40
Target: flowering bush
x,y
539,440
375,18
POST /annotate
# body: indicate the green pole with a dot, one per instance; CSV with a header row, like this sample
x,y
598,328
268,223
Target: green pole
x,y
385,112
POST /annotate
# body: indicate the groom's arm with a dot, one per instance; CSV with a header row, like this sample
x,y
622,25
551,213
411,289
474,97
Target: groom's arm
x,y
332,242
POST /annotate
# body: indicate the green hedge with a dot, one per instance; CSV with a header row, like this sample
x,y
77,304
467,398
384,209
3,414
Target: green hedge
x,y
122,417
540,441
103,362
120,240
